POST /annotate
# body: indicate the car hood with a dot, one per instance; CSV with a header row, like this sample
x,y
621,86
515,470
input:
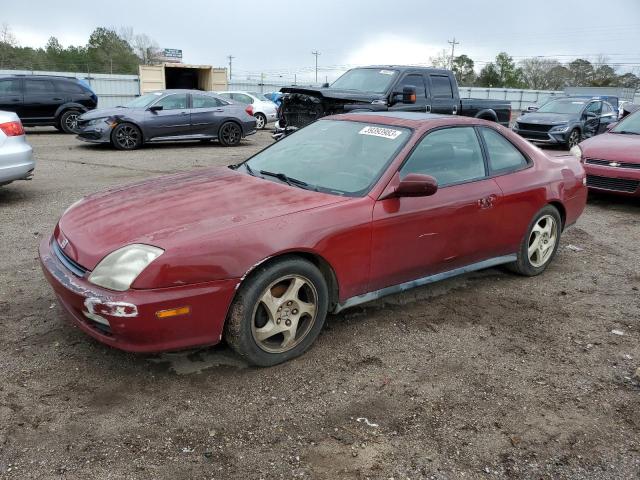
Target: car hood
x,y
545,118
174,210
613,147
107,112
335,94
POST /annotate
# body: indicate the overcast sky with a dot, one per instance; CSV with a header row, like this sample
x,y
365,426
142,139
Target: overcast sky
x,y
277,37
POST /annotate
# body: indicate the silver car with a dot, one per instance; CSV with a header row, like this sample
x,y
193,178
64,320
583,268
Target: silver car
x,y
264,109
16,156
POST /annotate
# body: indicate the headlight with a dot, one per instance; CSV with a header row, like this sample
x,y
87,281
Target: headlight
x,y
560,128
119,269
576,151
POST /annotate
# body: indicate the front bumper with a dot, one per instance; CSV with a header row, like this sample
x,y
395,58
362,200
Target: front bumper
x,y
95,134
127,320
550,138
16,160
616,180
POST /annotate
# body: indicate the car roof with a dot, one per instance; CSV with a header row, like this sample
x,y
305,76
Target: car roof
x,y
46,77
403,68
413,120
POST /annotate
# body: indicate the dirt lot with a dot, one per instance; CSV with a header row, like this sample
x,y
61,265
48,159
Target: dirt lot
x,y
489,375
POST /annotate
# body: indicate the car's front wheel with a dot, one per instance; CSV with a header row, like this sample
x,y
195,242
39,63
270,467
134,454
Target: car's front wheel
x,y
126,136
68,122
230,134
278,313
261,121
540,243
573,139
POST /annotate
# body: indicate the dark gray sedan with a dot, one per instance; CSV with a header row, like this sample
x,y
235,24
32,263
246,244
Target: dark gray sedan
x,y
168,115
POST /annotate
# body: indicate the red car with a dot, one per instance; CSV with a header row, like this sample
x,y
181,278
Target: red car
x,y
344,211
612,160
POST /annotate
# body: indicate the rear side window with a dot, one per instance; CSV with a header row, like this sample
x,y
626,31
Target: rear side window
x,y
242,98
9,87
503,156
39,86
205,101
450,155
441,86
69,87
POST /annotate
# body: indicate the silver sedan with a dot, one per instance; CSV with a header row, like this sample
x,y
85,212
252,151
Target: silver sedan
x,y
16,156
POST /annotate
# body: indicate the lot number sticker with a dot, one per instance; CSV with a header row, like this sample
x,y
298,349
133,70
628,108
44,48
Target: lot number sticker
x,y
389,133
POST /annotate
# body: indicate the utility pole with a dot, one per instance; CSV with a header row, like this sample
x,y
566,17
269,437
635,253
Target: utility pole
x,y
453,44
316,53
230,57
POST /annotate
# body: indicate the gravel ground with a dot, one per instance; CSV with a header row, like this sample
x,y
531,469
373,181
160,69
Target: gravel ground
x,y
488,375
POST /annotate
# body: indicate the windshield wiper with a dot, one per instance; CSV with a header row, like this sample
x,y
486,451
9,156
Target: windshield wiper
x,y
288,180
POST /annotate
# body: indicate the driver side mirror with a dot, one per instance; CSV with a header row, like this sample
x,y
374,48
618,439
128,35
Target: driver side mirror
x,y
155,108
416,185
408,95
325,85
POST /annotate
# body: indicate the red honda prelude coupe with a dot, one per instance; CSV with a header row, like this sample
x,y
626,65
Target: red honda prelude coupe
x,y
346,210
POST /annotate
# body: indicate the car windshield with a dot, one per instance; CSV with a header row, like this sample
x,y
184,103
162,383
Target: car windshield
x,y
144,100
260,96
630,124
562,106
333,156
371,80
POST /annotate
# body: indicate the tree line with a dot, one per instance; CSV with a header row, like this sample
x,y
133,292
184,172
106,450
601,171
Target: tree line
x,y
536,73
106,51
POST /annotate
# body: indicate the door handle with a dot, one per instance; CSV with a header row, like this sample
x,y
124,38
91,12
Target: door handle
x,y
219,110
184,113
455,109
428,108
57,99
15,99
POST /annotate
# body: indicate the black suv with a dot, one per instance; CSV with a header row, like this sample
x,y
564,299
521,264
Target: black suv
x,y
41,100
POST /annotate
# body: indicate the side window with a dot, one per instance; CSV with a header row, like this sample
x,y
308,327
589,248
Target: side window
x,y
39,87
10,87
173,102
606,108
503,155
450,155
441,86
242,98
226,95
204,101
69,87
594,107
416,81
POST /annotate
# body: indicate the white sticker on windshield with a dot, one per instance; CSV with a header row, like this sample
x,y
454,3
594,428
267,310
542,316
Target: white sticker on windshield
x,y
389,133
387,72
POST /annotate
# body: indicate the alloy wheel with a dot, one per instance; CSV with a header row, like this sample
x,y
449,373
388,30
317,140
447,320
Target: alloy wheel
x,y
127,137
284,314
71,122
260,121
542,240
230,134
574,138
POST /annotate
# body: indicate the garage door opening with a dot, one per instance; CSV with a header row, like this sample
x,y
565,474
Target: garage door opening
x,y
192,77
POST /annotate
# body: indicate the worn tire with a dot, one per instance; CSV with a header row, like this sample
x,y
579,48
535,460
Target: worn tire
x,y
238,331
523,264
67,121
261,121
129,129
230,134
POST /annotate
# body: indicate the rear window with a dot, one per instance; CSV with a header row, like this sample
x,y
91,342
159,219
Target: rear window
x,y
9,86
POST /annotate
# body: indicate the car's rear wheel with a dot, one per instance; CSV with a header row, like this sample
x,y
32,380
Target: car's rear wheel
x,y
540,243
69,121
278,313
126,136
573,139
230,134
261,121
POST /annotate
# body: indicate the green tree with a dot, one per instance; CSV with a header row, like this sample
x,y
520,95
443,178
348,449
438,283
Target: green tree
x,y
510,75
107,51
489,76
463,69
581,72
